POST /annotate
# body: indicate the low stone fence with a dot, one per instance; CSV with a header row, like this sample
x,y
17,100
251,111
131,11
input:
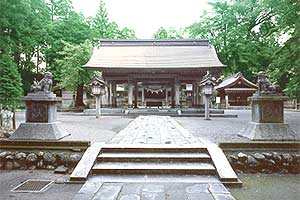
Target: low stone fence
x,y
265,162
66,161
61,156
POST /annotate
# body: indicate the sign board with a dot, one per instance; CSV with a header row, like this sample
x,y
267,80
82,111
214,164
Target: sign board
x,y
218,99
208,90
189,87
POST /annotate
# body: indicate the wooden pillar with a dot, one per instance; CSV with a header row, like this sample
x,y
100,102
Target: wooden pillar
x,y
143,95
130,93
172,97
110,94
114,94
194,101
197,100
136,89
177,94
166,96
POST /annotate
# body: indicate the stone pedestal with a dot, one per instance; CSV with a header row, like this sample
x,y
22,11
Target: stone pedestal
x,y
40,118
268,119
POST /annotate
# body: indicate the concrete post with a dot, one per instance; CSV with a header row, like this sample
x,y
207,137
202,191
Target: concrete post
x,y
98,106
207,103
130,94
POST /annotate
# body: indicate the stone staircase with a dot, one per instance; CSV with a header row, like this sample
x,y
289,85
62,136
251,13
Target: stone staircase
x,y
115,160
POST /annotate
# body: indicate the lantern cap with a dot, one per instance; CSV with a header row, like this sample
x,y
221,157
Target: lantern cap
x,y
208,79
97,81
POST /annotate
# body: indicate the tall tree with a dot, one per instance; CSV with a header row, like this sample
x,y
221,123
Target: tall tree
x,y
10,85
67,26
103,28
163,33
242,32
23,30
73,58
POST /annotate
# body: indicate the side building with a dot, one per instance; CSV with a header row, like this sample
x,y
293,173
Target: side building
x,y
235,90
160,73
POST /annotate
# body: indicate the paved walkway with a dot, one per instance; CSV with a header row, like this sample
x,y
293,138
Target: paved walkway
x,y
150,191
155,130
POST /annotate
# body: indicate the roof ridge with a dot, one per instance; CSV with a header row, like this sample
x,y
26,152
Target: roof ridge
x,y
154,42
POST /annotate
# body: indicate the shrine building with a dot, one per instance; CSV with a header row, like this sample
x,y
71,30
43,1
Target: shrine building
x,y
154,73
234,90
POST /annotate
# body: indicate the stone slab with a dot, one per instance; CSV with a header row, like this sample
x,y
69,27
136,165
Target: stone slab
x,y
218,188
223,196
90,187
39,131
109,191
83,196
86,163
269,131
198,196
224,169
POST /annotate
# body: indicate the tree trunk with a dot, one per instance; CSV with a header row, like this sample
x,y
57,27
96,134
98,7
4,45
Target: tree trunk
x,y
79,96
14,119
0,115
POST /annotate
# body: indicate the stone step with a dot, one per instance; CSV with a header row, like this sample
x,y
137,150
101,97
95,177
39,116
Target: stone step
x,y
155,178
150,168
154,157
151,148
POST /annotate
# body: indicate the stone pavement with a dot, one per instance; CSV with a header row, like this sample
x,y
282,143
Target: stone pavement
x,y
155,130
95,190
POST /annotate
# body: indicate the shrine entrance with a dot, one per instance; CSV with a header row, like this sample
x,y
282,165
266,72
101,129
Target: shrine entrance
x,y
154,73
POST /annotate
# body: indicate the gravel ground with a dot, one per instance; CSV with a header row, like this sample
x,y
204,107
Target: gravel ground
x,y
215,130
226,129
88,128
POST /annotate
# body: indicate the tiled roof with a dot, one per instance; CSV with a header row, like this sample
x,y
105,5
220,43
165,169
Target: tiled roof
x,y
153,54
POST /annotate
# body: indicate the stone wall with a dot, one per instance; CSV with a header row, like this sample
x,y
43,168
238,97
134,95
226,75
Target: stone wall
x,y
10,160
265,162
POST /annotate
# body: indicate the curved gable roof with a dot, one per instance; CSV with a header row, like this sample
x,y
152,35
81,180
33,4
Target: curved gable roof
x,y
233,79
153,54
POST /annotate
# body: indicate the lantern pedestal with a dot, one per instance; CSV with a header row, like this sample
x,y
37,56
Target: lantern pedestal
x,y
41,121
268,119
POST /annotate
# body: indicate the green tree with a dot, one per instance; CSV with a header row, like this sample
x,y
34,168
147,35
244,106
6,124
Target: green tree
x,y
103,28
67,26
163,33
285,65
22,33
243,33
73,58
10,85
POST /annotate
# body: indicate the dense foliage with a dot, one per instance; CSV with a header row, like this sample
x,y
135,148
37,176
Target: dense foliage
x,y
250,36
10,83
39,32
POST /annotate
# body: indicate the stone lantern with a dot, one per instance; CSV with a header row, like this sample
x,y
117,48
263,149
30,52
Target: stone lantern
x,y
98,89
267,113
41,121
207,84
